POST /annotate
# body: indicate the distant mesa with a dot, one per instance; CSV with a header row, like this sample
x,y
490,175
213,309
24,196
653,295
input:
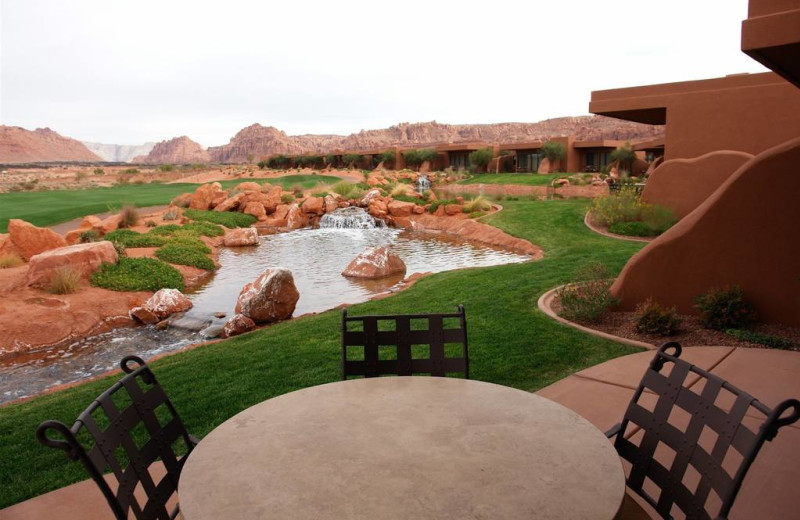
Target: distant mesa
x,y
180,150
18,145
119,152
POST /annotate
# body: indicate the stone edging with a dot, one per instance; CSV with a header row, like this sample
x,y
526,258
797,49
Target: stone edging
x,y
588,222
545,305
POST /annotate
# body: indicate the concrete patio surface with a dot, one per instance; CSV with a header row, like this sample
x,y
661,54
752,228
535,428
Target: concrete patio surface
x,y
601,394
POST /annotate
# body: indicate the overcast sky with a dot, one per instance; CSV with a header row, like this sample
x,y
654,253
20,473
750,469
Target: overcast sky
x,y
126,72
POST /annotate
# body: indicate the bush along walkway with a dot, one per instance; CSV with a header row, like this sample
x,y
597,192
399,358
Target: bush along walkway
x,y
511,343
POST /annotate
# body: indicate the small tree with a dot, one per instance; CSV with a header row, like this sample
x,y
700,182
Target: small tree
x,y
481,158
553,151
388,158
427,154
625,155
263,163
351,158
330,159
412,158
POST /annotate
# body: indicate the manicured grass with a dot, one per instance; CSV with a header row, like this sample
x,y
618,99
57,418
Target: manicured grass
x,y
511,343
45,208
525,179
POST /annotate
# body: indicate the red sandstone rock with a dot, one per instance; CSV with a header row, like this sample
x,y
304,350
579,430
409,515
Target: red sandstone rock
x,y
370,196
230,204
331,204
205,195
179,150
18,145
143,315
7,246
241,237
108,224
314,206
83,259
247,186
271,297
378,208
183,200
419,210
239,324
398,208
167,302
280,217
296,219
375,262
453,209
256,209
218,198
30,240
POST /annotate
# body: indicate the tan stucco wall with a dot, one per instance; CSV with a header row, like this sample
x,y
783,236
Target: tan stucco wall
x,y
683,184
746,233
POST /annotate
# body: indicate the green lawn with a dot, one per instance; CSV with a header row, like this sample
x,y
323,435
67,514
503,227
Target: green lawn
x,y
45,208
525,179
511,343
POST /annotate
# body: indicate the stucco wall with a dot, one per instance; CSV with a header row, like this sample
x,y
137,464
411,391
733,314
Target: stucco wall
x,y
746,233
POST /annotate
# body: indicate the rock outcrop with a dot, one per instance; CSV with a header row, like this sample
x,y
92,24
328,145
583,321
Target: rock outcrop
x,y
205,196
30,240
179,150
375,262
83,259
239,324
18,145
271,297
241,237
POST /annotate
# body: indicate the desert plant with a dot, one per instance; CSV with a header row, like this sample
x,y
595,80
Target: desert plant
x,y
589,298
208,229
724,308
768,340
479,203
625,155
287,198
81,175
652,318
129,171
129,216
553,150
99,171
171,215
137,274
481,158
90,235
63,280
8,260
633,229
399,190
263,163
150,224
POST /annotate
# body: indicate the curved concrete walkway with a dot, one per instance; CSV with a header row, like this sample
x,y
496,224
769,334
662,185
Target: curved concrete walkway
x,y
601,394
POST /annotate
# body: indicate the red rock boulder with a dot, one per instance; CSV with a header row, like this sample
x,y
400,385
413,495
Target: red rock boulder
x,y
205,195
241,237
83,259
167,302
314,206
247,186
143,315
256,209
239,324
378,208
108,224
271,297
398,208
231,203
182,201
296,219
375,262
30,240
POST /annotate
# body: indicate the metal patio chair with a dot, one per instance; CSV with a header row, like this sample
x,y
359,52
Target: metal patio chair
x,y
701,429
405,344
126,429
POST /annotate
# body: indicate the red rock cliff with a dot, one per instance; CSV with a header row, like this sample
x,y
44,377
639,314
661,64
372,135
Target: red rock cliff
x,y
18,145
180,150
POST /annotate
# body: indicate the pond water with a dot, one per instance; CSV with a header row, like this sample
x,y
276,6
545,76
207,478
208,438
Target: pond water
x,y
316,258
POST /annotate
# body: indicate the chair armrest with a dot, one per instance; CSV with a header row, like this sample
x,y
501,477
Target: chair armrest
x,y
614,430
195,440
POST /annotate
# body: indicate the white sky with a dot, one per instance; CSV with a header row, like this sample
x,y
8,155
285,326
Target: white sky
x,y
126,72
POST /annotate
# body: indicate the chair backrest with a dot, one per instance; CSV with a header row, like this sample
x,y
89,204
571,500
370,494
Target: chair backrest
x,y
688,440
129,427
405,344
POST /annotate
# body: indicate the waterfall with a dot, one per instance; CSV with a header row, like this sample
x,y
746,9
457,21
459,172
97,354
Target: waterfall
x,y
350,218
422,183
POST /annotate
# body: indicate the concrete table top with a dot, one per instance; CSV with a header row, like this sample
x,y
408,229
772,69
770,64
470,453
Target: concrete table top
x,y
400,448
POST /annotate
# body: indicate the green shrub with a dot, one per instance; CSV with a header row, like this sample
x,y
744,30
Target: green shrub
x,y
767,340
191,242
626,207
476,214
178,252
99,171
287,198
166,168
406,198
330,159
137,274
129,171
657,217
150,224
651,318
481,158
724,308
263,164
633,229
224,218
63,280
388,157
206,229
130,238
165,230
10,260
435,204
351,158
625,155
79,176
90,235
589,298
553,150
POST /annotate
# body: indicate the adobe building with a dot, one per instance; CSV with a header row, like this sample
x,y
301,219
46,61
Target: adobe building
x,y
732,149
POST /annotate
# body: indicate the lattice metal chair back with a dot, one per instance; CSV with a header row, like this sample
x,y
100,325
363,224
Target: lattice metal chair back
x,y
405,344
129,427
685,437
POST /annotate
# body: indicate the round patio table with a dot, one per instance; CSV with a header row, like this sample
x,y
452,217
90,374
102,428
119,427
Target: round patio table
x,y
400,448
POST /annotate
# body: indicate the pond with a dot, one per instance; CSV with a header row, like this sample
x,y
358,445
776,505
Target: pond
x,y
316,258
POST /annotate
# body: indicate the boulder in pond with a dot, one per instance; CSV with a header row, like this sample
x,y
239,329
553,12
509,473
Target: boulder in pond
x,y
239,324
143,315
241,237
271,297
167,302
375,262
83,259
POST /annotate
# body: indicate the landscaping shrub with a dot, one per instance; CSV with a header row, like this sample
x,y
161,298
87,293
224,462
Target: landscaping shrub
x,y
330,159
435,204
481,157
553,150
129,171
129,238
479,203
263,164
626,214
287,198
137,274
99,171
388,158
588,299
129,216
176,251
652,318
10,260
724,308
350,159
634,229
406,198
625,155
90,235
192,229
225,218
767,340
150,224
191,242
64,280
165,168
165,230
79,176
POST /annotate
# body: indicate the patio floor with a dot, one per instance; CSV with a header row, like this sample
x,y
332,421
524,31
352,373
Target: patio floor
x,y
601,394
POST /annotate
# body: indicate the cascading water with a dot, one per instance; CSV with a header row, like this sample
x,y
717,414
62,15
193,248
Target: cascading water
x,y
350,218
423,183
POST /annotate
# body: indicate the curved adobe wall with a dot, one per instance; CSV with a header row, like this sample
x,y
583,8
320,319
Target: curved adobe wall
x,y
746,234
683,184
